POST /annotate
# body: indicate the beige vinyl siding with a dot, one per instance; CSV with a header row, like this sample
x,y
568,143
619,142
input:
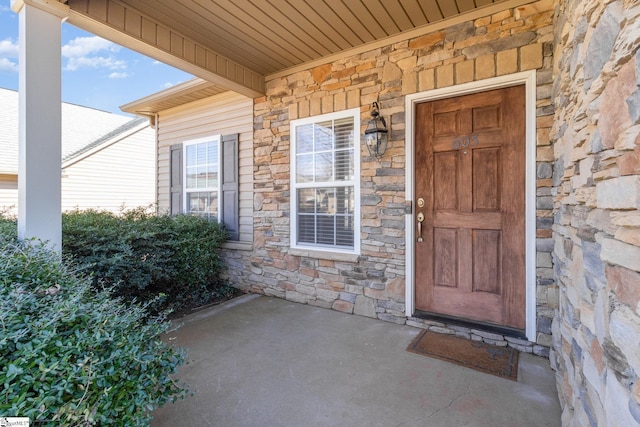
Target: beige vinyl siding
x,y
120,174
9,194
223,114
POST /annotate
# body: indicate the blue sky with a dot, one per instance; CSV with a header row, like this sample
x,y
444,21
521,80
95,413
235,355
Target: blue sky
x,y
95,72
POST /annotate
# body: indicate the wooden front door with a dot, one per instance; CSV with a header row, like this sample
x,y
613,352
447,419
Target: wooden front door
x,y
470,181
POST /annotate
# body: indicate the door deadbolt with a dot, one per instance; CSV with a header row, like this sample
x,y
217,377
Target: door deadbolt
x,y
420,202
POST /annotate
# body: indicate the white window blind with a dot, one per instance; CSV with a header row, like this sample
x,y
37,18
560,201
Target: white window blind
x,y
201,168
325,178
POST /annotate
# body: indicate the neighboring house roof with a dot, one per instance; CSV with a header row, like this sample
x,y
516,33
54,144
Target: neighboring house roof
x,y
81,127
115,135
9,133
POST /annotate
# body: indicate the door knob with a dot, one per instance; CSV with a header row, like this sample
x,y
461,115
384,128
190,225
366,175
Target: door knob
x,y
420,219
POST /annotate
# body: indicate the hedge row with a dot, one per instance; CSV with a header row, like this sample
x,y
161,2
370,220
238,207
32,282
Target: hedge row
x,y
171,261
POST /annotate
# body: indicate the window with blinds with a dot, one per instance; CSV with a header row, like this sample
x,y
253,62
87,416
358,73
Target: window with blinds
x,y
201,167
204,180
325,177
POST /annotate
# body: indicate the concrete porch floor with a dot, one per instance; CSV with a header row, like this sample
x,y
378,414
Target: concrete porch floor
x,y
259,361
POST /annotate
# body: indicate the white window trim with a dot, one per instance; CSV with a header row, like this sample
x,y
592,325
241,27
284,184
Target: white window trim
x,y
528,78
355,113
185,192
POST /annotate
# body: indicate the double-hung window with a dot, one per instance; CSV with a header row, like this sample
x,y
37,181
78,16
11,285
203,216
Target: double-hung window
x,y
201,169
204,180
325,165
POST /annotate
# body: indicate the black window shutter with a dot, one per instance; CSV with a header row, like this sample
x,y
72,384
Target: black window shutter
x,y
176,179
229,172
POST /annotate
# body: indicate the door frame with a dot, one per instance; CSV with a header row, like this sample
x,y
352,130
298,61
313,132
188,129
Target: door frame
x,y
528,78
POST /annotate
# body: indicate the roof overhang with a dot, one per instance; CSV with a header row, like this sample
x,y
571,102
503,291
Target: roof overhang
x,y
180,94
239,45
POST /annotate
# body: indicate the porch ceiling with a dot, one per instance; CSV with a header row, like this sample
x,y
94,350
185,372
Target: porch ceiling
x,y
268,36
237,44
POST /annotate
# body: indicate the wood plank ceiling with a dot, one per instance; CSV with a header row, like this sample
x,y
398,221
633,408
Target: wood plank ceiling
x,y
268,36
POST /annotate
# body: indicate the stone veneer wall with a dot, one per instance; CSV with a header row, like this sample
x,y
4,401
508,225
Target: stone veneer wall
x,y
373,284
596,335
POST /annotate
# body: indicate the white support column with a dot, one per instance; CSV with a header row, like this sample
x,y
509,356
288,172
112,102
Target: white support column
x,y
40,116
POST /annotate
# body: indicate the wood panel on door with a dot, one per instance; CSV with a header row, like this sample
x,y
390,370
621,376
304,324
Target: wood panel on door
x,y
470,172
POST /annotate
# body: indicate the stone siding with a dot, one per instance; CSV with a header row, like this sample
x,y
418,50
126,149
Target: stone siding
x,y
596,181
373,283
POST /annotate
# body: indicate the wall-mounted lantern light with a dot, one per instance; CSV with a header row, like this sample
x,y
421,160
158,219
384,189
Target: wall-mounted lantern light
x,y
376,135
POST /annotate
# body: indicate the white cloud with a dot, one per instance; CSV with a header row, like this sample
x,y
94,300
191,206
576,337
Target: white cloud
x,y
118,75
167,85
8,56
7,65
83,46
109,62
8,49
92,52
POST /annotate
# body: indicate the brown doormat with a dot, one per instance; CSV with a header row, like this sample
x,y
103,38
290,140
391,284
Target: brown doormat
x,y
500,361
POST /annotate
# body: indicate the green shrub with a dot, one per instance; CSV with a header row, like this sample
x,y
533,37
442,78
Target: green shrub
x,y
144,256
71,355
8,229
